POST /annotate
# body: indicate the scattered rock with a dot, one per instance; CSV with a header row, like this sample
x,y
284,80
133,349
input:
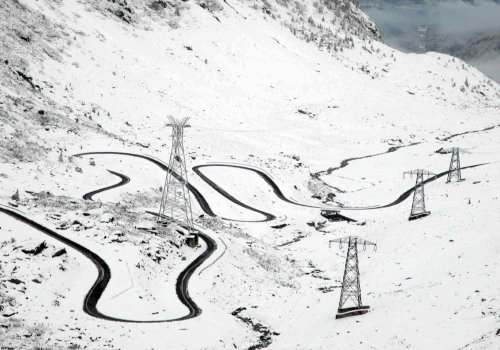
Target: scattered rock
x,y
59,253
330,197
442,151
16,196
15,281
29,80
332,215
317,273
299,237
106,218
279,226
309,114
9,313
62,226
328,289
40,248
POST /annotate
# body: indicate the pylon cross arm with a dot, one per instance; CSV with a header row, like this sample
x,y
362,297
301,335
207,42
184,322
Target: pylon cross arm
x,y
419,172
358,240
179,123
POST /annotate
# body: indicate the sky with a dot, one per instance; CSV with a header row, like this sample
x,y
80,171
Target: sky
x,y
456,21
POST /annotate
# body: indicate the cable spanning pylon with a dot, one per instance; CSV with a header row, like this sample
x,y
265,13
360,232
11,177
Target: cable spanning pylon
x,y
418,205
175,206
350,296
455,171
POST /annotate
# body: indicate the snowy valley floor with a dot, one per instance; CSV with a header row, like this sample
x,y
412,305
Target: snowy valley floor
x,y
430,279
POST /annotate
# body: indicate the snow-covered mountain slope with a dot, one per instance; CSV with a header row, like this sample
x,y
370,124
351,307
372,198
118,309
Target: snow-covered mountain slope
x,y
267,84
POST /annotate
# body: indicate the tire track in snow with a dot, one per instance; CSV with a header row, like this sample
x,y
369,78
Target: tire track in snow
x,y
217,259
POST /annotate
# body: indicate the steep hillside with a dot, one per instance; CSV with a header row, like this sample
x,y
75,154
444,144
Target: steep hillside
x,y
304,91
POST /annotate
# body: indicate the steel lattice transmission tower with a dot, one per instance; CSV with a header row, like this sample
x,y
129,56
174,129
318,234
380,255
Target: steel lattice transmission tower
x,y
422,34
350,296
418,205
455,171
175,206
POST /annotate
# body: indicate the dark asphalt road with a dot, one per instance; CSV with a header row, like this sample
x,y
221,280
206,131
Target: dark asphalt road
x,y
124,179
277,191
104,272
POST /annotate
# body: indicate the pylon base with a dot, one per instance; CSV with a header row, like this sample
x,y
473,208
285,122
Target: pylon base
x,y
192,240
418,216
352,311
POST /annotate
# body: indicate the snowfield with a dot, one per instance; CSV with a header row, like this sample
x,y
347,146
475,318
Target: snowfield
x,y
333,120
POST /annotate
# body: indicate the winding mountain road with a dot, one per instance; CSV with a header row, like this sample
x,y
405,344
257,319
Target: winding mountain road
x,y
104,272
181,288
196,193
124,179
198,196
277,191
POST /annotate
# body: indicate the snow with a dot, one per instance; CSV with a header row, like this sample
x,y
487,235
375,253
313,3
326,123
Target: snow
x,y
432,283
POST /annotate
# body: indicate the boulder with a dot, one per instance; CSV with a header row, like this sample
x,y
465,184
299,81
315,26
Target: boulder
x,y
106,218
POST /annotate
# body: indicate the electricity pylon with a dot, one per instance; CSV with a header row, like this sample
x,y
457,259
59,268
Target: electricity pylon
x,y
422,34
455,171
351,288
175,206
418,205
